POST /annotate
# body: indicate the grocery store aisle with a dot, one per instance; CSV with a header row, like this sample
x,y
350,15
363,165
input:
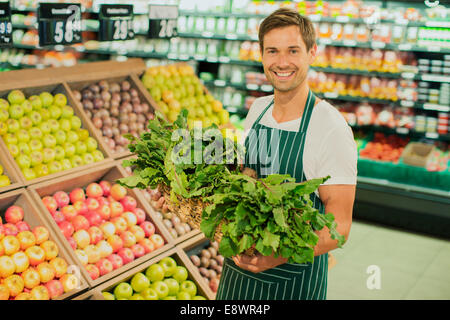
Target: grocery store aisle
x,y
395,264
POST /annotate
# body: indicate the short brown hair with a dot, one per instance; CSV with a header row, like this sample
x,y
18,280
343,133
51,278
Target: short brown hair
x,y
285,17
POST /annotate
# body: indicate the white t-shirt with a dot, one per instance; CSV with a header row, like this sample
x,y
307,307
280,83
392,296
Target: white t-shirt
x,y
330,148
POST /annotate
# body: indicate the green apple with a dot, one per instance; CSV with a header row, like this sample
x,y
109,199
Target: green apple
x,y
75,122
13,149
16,111
36,158
29,173
123,291
60,136
76,161
169,265
41,170
67,112
60,100
45,127
183,295
23,135
27,107
23,161
88,158
139,282
35,145
13,125
25,122
35,117
66,164
24,148
91,144
4,115
55,166
161,289
55,111
173,286
155,272
59,152
199,298
49,140
46,99
69,149
65,124
36,102
54,125
83,134
3,128
49,155
16,97
98,155
45,114
170,298
136,296
149,294
181,274
80,148
108,296
72,136
189,287
10,138
4,104
35,132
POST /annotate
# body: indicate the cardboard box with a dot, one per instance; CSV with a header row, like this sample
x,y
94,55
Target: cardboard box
x,y
110,172
54,88
417,154
35,217
176,253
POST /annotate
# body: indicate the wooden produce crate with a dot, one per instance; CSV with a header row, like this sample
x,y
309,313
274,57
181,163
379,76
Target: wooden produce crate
x,y
176,253
135,83
11,172
158,215
93,294
109,172
194,246
34,216
56,87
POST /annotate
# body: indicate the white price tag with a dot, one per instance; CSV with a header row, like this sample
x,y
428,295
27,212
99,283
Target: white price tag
x,y
408,75
407,103
331,95
404,46
220,83
432,135
342,19
224,59
252,86
402,130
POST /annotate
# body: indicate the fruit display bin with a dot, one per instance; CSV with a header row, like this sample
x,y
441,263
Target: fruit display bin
x,y
177,254
174,236
56,87
109,172
125,105
34,217
11,172
93,294
195,246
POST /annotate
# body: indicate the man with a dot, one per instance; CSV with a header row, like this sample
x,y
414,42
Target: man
x,y
305,137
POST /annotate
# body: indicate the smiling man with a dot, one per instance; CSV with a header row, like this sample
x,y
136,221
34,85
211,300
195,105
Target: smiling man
x,y
293,132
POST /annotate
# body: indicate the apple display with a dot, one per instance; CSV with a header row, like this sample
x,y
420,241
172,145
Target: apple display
x,y
116,261
7,266
69,282
169,265
60,266
15,284
50,248
14,214
54,288
40,292
161,289
189,287
139,282
35,255
155,272
126,254
157,240
93,271
46,271
41,233
82,238
10,244
95,234
26,239
66,228
123,291
31,278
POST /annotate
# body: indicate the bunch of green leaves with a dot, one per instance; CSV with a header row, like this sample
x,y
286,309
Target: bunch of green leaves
x,y
274,214
180,158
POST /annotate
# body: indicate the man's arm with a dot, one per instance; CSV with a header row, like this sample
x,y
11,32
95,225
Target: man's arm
x,y
338,200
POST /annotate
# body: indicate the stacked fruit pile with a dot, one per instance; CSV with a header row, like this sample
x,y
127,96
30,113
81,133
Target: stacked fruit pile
x,y
209,264
103,225
175,87
4,179
43,134
30,265
164,280
384,148
115,108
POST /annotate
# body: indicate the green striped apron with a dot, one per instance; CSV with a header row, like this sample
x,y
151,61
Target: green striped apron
x,y
288,281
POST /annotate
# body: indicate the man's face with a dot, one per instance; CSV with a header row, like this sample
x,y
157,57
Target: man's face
x,y
285,58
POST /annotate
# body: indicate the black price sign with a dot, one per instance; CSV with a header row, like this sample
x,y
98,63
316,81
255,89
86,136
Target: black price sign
x,y
116,22
162,21
59,23
5,25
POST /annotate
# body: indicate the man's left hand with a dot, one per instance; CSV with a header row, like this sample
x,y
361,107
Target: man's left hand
x,y
258,262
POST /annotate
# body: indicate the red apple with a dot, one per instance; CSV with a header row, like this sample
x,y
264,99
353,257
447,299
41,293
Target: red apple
x,y
58,217
50,203
120,223
118,192
69,212
129,203
104,211
82,238
138,250
60,266
126,254
81,207
10,229
35,255
77,194
72,242
105,248
94,218
102,201
95,234
116,208
108,228
46,271
39,293
157,240
138,232
92,204
26,239
80,223
41,233
116,242
55,288
140,215
14,214
116,260
128,238
93,271
93,253
10,245
2,231
147,244
31,278
94,190
148,227
66,228
104,266
23,226
50,248
106,187
62,198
